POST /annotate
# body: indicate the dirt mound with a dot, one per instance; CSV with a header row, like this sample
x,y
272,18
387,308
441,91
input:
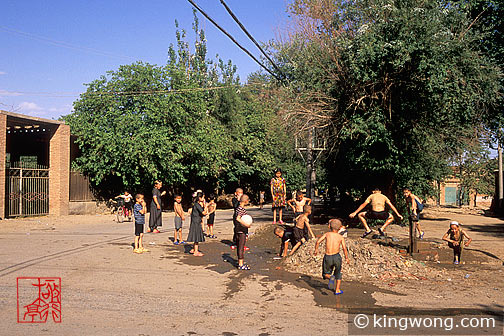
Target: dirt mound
x,y
368,261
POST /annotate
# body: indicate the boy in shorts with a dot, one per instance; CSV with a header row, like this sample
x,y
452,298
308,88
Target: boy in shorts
x,y
331,266
212,206
179,219
139,210
302,225
415,206
377,201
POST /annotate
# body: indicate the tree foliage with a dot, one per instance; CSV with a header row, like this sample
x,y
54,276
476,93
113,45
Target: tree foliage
x,y
189,123
394,84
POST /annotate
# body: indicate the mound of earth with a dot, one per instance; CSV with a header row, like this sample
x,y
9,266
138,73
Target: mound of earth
x,y
368,261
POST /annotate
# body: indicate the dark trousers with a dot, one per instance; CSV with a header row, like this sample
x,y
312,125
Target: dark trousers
x,y
240,248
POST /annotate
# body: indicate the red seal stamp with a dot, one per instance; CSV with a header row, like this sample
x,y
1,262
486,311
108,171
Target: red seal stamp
x,y
38,298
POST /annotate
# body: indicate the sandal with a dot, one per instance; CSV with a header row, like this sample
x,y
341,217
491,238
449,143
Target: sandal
x,y
367,234
338,293
244,267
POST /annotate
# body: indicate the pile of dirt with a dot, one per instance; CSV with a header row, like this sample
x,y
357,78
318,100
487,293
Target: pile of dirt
x,y
368,261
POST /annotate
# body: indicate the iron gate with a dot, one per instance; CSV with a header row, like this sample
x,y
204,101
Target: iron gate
x,y
27,190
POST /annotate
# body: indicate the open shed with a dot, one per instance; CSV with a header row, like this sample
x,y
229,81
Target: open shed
x,y
34,166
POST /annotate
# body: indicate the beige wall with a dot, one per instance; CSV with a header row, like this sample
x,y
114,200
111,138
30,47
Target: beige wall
x,y
59,171
3,153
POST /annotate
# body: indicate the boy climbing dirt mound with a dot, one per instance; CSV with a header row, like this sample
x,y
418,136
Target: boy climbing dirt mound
x,y
331,266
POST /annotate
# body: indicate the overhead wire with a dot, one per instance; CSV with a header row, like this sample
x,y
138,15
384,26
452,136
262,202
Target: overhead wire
x,y
233,39
129,93
64,44
250,37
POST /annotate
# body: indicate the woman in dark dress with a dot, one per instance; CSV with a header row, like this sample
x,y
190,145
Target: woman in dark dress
x,y
155,208
196,231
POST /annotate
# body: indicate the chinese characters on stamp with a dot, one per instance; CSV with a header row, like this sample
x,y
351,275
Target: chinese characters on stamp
x,y
38,298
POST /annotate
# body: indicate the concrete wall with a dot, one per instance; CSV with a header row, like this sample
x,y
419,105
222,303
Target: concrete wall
x,y
87,208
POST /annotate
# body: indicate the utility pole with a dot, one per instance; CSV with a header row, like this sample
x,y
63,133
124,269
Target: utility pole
x,y
309,164
500,182
310,149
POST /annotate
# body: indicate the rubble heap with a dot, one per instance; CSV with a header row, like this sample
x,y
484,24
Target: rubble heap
x,y
368,261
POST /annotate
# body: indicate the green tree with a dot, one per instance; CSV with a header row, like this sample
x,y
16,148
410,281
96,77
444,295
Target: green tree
x,y
395,86
189,123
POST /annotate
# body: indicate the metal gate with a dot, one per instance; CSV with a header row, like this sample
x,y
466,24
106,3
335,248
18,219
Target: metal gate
x,y
27,190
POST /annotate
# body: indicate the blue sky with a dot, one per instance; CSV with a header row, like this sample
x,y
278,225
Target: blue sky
x,y
50,49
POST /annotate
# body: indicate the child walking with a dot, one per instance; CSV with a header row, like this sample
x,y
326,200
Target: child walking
x,y
331,266
196,230
212,206
455,238
139,210
179,219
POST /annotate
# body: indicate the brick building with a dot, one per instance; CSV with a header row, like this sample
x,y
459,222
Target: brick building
x,y
34,166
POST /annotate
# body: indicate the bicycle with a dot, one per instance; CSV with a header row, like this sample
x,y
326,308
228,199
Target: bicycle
x,y
121,210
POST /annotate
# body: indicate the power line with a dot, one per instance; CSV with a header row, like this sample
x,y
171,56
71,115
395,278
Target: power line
x,y
63,44
126,93
233,39
250,36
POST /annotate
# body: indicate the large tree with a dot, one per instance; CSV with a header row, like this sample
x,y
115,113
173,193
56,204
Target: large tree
x,y
189,123
394,84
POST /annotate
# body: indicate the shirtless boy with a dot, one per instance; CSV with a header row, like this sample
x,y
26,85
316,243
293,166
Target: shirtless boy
x,y
302,224
298,203
378,202
331,266
179,219
415,206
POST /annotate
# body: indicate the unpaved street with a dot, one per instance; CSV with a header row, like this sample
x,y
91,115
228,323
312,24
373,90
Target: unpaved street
x,y
108,290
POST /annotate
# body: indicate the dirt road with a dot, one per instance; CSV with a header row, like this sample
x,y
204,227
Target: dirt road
x,y
108,290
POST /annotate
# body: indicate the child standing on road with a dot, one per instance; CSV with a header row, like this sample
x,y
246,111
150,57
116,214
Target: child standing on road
x,y
261,199
331,266
302,225
241,231
278,192
212,206
139,210
455,238
179,219
235,202
196,230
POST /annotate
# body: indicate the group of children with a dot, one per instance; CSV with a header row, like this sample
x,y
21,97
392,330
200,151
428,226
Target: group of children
x,y
297,235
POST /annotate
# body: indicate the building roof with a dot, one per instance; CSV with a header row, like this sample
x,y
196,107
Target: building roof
x,y
17,121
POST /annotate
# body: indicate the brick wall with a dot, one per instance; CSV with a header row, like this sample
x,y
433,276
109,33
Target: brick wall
x,y
59,170
3,154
